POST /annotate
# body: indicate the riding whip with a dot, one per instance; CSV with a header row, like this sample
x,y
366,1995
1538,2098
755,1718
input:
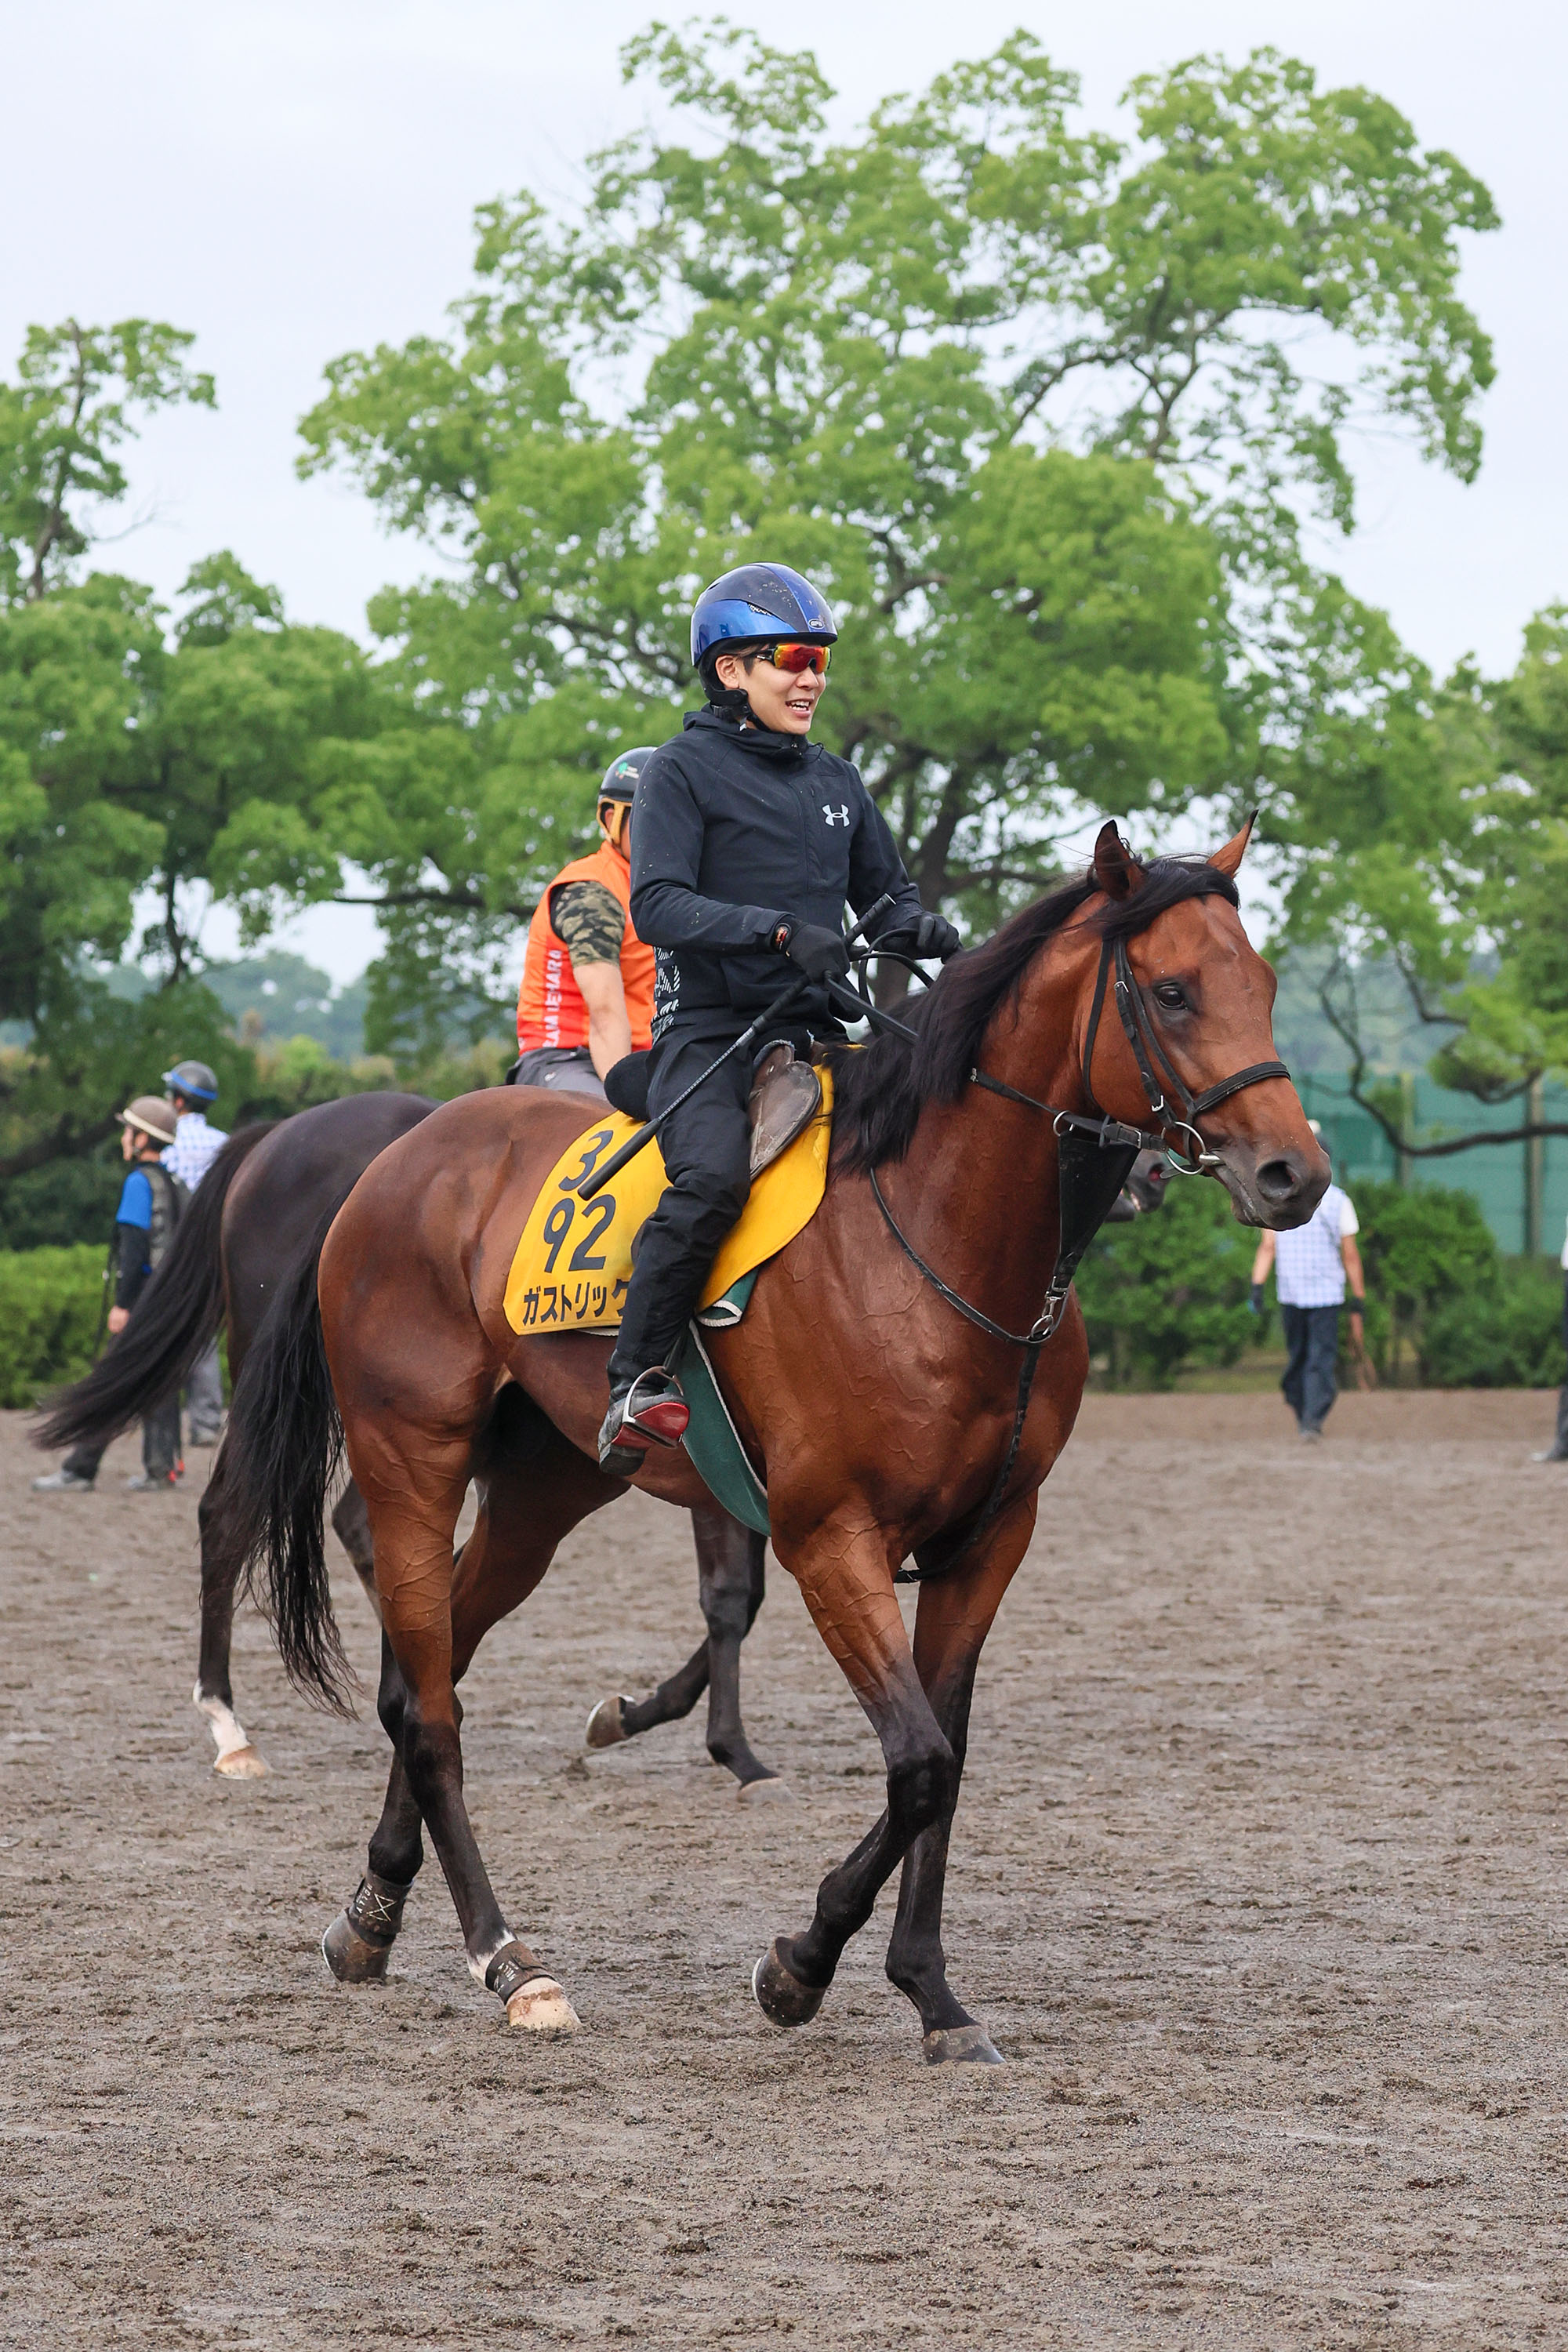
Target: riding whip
x,y
645,1135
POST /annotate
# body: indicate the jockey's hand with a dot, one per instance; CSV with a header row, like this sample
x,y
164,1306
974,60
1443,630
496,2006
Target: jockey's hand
x,y
933,936
821,954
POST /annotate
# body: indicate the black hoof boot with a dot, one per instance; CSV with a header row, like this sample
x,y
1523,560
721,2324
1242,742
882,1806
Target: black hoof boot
x,y
780,1996
961,2045
356,1945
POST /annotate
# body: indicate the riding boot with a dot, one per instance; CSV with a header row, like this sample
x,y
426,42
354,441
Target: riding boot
x,y
651,1411
706,1146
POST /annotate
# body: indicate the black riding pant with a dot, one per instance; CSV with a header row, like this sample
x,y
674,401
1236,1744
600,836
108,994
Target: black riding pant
x,y
707,1148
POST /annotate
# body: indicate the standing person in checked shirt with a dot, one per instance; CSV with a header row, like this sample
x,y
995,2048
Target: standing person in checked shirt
x,y
192,1087
1311,1266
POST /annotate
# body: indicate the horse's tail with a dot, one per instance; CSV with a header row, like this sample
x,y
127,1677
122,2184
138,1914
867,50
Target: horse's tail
x,y
282,1450
176,1315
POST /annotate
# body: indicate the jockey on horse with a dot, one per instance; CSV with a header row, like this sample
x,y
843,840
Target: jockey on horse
x,y
587,999
747,839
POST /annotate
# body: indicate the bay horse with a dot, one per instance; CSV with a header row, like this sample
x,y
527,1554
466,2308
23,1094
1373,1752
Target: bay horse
x,y
256,1211
875,1380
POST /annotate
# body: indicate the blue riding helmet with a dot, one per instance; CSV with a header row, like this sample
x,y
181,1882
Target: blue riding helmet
x,y
193,1080
759,600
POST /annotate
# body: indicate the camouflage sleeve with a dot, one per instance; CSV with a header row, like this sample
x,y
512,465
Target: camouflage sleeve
x,y
590,919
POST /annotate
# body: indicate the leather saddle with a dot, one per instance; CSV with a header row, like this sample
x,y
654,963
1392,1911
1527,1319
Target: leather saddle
x,y
785,1096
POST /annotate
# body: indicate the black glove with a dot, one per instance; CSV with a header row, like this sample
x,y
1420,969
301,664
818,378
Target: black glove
x,y
1259,1305
821,954
930,936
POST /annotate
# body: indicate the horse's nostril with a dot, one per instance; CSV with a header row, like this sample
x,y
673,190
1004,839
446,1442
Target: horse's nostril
x,y
1279,1179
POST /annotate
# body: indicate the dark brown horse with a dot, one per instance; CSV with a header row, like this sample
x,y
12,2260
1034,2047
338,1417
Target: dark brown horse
x,y
876,1379
258,1210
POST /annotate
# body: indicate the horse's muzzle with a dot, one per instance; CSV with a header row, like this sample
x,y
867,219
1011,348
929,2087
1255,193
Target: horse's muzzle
x,y
1272,1184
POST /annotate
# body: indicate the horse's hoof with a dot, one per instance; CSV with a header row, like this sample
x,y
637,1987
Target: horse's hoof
x,y
246,1763
782,1997
961,2045
607,1726
769,1790
353,1958
540,2007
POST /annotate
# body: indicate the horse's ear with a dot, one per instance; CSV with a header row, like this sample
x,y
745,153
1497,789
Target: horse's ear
x,y
1116,871
1228,858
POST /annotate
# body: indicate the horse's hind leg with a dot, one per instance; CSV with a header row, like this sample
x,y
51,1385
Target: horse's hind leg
x,y
730,1583
236,1758
533,1486
350,1524
358,1944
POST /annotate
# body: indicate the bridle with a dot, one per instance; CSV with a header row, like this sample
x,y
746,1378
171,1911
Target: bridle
x,y
1095,1156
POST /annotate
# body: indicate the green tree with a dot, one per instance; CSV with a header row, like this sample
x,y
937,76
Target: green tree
x,y
1452,873
77,393
1172,1288
139,755
1424,1249
1019,393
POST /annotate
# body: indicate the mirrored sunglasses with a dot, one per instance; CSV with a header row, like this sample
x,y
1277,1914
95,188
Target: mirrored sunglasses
x,y
798,657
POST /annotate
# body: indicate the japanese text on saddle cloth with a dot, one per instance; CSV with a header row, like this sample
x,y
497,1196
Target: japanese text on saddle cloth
x,y
572,1265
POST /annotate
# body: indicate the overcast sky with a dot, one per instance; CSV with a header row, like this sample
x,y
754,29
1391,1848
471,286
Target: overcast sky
x,y
293,181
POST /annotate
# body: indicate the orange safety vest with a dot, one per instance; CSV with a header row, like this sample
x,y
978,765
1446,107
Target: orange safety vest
x,y
550,1007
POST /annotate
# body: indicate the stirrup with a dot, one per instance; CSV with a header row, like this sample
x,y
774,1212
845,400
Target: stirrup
x,y
652,1413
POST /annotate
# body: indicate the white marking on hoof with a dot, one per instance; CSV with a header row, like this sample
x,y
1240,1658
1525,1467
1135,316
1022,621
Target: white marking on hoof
x,y
605,1729
540,2007
230,1738
765,1792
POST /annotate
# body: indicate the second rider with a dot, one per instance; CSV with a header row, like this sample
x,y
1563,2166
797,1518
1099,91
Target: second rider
x,y
746,841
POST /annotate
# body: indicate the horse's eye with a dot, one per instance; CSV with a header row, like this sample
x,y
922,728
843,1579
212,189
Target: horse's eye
x,y
1170,996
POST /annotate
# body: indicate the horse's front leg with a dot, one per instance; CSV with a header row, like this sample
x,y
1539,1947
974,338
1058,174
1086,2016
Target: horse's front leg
x,y
846,1576
732,1581
953,1617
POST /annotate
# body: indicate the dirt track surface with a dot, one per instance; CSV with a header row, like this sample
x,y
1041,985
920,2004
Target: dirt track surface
x,y
1258,1880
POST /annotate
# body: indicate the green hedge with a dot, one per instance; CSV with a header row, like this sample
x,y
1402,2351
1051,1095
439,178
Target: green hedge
x,y
1445,1307
50,1302
1509,1336
1170,1289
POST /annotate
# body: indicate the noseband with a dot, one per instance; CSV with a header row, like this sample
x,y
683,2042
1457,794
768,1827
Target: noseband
x,y
1095,1154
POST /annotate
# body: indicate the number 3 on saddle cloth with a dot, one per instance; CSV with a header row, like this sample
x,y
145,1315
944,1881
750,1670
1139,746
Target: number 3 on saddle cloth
x,y
573,1266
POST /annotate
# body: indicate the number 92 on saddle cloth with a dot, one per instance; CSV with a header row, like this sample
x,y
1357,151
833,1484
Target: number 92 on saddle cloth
x,y
573,1266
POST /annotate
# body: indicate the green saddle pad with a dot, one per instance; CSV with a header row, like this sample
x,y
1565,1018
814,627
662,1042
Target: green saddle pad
x,y
712,1446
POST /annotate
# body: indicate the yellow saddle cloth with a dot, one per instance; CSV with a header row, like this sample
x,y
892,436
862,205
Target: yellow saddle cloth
x,y
573,1264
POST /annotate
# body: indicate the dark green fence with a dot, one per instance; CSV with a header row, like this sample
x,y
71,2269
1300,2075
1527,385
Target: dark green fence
x,y
1522,1187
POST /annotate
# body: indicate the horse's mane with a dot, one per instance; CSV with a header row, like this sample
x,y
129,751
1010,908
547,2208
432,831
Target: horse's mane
x,y
879,1091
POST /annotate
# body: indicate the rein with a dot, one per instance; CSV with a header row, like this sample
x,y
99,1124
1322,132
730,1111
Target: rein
x,y
1095,1156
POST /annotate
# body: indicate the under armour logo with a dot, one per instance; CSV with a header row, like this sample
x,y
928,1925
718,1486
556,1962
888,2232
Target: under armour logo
x,y
836,816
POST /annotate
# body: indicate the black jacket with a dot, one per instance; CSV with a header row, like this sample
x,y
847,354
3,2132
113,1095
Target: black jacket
x,y
733,829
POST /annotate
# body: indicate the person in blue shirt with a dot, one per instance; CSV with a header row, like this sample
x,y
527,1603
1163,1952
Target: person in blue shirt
x,y
151,1200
